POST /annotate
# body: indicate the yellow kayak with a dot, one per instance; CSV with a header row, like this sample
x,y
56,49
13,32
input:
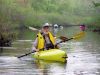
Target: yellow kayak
x,y
52,55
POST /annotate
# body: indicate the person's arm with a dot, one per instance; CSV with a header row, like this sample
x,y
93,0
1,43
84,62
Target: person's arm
x,y
35,43
56,41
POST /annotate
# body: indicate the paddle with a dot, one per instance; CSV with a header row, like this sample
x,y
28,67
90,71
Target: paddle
x,y
75,37
32,28
26,54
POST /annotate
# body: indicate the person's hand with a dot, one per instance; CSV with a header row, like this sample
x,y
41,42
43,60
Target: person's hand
x,y
37,50
63,38
56,46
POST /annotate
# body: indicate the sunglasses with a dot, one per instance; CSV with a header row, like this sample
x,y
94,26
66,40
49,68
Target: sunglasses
x,y
46,27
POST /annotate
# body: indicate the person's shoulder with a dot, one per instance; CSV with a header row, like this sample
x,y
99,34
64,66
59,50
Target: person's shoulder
x,y
52,34
39,33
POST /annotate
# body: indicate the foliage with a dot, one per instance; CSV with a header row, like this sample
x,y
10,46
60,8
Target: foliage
x,y
20,13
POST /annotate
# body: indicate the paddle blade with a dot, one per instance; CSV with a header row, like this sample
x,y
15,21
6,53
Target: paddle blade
x,y
79,36
33,28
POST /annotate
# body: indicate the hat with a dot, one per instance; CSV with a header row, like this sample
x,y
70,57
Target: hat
x,y
46,25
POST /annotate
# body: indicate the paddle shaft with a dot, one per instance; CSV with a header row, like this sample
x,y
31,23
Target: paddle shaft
x,y
64,41
26,54
35,51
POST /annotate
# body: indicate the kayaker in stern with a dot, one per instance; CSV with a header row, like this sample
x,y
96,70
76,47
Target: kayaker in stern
x,y
45,39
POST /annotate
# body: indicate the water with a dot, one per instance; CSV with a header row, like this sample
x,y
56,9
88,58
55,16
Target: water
x,y
83,57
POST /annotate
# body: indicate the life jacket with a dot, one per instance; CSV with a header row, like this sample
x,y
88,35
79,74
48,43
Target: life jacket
x,y
41,40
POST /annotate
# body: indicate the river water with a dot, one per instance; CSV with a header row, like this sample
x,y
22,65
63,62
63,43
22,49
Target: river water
x,y
83,57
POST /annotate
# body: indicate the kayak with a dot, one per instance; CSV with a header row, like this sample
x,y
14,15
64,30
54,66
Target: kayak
x,y
52,55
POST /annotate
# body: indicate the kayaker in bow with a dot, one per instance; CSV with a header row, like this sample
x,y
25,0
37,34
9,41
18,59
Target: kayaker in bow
x,y
45,39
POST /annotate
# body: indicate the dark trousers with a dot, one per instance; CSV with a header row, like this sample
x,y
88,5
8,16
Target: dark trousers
x,y
49,46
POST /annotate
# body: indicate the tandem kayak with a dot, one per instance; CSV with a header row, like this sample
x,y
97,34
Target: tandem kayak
x,y
52,55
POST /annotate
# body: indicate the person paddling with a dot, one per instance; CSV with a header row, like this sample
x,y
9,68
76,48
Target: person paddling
x,y
45,39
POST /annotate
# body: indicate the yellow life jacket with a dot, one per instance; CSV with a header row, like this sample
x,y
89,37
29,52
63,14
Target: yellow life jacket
x,y
52,38
41,41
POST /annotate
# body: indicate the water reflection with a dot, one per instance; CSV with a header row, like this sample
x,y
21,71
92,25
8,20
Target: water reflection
x,y
82,61
50,67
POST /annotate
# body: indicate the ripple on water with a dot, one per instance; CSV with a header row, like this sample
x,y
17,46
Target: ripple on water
x,y
14,66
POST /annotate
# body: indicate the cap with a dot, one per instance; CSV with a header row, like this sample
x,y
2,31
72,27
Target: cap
x,y
46,25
